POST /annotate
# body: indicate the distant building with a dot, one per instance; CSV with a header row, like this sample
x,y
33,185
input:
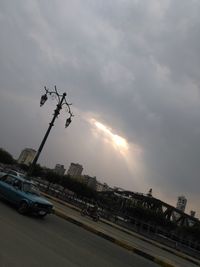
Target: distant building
x,y
26,157
59,169
181,203
75,170
102,187
99,187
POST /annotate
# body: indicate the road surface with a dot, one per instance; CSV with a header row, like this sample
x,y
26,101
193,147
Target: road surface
x,y
30,242
132,240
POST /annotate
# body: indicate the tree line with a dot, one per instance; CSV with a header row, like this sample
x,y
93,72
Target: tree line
x,y
6,157
66,181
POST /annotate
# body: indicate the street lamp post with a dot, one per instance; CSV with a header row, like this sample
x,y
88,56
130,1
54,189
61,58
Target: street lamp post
x,y
61,98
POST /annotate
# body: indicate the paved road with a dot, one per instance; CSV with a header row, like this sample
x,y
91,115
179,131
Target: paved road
x,y
136,242
32,242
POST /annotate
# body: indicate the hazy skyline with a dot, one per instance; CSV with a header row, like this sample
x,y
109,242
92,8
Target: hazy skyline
x,y
131,70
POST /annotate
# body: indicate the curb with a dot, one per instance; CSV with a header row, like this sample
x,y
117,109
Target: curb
x,y
113,240
185,257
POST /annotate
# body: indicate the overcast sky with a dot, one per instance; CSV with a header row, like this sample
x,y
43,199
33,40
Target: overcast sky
x,y
131,69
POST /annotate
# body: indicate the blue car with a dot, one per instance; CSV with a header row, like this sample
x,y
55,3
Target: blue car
x,y
24,194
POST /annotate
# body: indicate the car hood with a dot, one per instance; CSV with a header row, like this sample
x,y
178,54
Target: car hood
x,y
39,199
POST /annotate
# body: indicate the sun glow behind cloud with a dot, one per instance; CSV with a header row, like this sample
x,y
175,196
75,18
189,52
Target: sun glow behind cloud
x,y
117,141
129,153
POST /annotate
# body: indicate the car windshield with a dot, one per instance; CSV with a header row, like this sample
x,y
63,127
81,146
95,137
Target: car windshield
x,y
31,188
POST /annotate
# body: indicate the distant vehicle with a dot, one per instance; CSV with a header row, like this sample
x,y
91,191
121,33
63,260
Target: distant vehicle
x,y
91,211
24,194
13,172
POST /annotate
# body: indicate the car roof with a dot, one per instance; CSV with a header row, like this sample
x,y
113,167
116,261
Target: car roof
x,y
17,172
19,178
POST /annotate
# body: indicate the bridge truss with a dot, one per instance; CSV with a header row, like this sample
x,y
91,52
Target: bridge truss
x,y
123,202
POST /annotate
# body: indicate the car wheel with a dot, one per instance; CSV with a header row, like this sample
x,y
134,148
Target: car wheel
x,y
83,212
96,218
23,207
42,215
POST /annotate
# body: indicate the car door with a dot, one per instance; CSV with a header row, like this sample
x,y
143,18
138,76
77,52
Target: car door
x,y
16,191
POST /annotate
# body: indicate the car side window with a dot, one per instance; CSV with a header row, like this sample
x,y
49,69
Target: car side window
x,y
12,172
9,179
2,178
18,184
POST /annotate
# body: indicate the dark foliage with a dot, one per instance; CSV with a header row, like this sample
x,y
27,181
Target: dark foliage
x,y
68,183
6,157
23,167
37,170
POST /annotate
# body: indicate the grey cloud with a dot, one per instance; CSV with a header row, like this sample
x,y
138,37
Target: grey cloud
x,y
133,64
